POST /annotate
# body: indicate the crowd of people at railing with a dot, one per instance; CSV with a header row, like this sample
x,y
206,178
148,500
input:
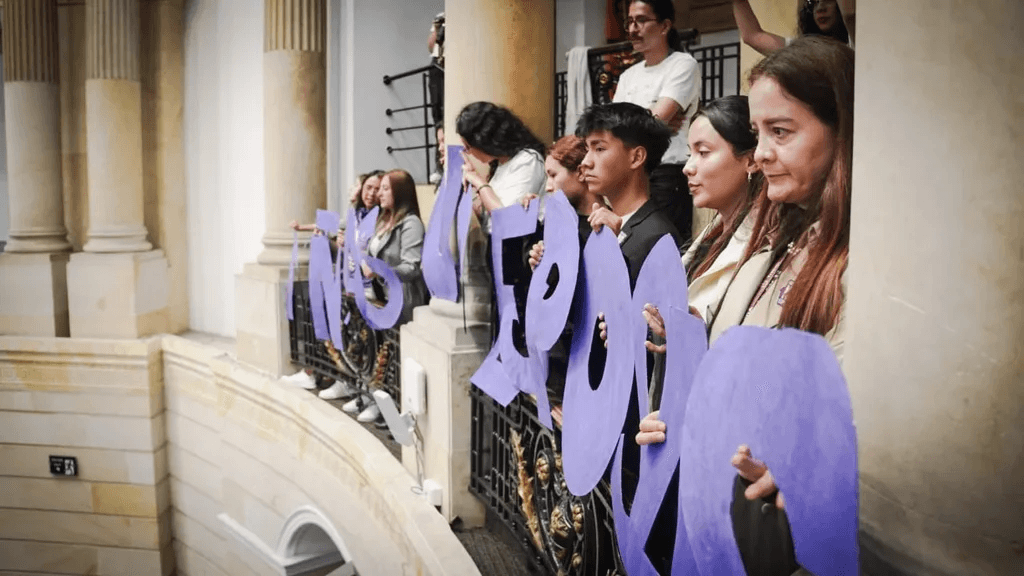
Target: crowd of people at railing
x,y
774,166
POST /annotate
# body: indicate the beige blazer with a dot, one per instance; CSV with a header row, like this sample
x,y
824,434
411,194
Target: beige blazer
x,y
768,309
706,291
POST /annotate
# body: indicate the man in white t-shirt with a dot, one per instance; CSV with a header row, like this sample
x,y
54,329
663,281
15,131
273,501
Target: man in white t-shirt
x,y
668,83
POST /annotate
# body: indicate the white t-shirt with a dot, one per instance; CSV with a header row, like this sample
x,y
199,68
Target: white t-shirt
x,y
523,174
676,77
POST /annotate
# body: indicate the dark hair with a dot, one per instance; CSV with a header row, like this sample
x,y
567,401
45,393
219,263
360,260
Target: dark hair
x,y
634,125
569,151
403,189
495,130
362,180
818,72
730,117
664,10
807,25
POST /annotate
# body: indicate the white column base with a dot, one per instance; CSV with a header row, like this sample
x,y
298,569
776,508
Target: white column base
x,y
34,294
117,295
261,323
449,355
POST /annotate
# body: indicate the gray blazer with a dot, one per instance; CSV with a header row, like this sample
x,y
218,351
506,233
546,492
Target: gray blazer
x,y
402,249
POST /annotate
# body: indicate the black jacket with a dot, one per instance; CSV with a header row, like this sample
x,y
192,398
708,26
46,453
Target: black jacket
x,y
642,231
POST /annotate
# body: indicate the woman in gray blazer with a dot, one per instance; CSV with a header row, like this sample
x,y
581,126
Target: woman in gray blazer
x,y
398,240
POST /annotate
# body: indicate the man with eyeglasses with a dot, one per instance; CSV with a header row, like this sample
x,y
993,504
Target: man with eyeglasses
x,y
666,82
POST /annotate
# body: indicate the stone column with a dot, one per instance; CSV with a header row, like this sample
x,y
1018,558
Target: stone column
x,y
118,285
936,287
33,286
295,120
503,52
295,161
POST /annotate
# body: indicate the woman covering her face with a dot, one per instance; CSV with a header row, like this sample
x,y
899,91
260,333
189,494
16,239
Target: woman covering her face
x,y
801,107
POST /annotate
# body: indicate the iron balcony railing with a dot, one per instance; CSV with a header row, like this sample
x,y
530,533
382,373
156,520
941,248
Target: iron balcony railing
x,y
429,145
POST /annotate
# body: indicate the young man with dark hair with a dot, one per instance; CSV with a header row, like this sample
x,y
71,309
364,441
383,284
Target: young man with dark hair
x,y
625,143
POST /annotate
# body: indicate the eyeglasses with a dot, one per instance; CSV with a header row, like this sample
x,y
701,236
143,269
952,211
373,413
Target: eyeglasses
x,y
812,4
640,22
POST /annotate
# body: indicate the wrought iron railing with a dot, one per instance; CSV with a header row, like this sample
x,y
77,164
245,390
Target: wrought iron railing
x,y
718,64
516,470
429,145
369,358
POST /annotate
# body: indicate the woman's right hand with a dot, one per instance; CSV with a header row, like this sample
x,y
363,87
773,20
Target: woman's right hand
x,y
294,225
657,325
652,430
536,253
753,470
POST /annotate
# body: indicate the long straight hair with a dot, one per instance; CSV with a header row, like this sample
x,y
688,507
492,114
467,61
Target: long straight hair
x,y
730,117
818,72
403,190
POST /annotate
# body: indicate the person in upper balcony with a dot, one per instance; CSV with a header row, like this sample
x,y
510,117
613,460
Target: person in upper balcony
x,y
832,18
668,83
504,161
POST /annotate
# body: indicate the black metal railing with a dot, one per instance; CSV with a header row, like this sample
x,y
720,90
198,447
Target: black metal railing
x,y
561,100
369,358
429,145
717,64
516,470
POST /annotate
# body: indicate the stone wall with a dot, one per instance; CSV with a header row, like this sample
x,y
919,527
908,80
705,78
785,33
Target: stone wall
x,y
102,402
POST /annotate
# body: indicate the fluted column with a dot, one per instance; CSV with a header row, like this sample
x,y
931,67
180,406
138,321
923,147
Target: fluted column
x,y
295,120
113,100
32,108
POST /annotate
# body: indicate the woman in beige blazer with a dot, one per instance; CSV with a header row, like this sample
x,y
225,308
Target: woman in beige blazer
x,y
801,106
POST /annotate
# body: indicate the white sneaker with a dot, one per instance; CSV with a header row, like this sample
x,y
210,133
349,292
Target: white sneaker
x,y
301,379
340,389
370,414
352,406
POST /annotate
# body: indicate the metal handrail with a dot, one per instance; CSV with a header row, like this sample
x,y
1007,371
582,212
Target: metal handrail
x,y
388,79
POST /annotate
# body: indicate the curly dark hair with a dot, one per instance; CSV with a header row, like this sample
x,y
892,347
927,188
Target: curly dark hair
x,y
495,130
634,125
807,25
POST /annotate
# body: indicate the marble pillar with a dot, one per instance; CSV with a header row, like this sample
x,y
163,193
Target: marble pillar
x,y
503,52
33,286
295,156
935,347
118,286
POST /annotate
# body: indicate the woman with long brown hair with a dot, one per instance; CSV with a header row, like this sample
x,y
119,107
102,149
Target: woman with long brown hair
x,y
398,239
801,106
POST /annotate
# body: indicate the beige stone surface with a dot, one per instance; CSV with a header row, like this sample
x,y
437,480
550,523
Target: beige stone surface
x,y
71,27
449,356
117,295
295,128
162,70
114,124
94,464
71,528
32,115
33,294
936,315
260,322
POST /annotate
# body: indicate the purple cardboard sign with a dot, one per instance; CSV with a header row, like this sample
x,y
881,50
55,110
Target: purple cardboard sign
x,y
439,270
546,315
592,417
661,282
782,393
321,272
376,318
351,255
526,374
